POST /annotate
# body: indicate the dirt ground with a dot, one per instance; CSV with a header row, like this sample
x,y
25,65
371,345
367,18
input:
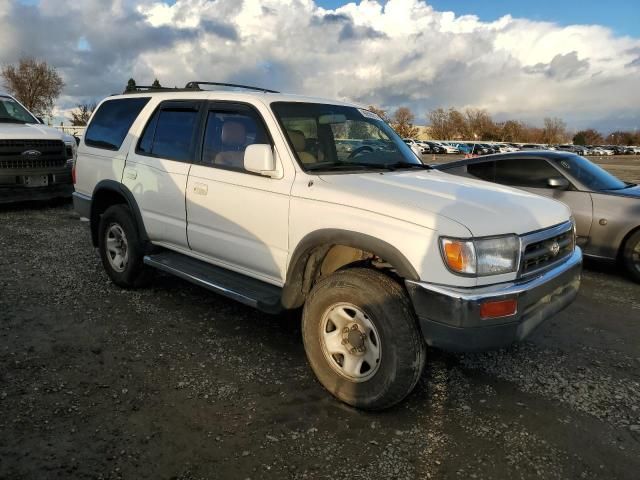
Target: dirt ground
x,y
173,382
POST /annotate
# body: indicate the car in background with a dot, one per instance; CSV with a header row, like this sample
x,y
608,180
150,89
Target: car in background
x,y
601,151
424,145
505,148
35,160
577,149
436,147
449,148
533,146
606,209
415,146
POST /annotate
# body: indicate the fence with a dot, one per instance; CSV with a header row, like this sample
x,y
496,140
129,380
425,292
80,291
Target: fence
x,y
71,130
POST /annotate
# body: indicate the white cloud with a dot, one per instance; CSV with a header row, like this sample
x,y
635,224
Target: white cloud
x,y
402,53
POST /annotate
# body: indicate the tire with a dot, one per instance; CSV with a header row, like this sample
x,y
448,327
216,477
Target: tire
x,y
130,271
631,256
381,311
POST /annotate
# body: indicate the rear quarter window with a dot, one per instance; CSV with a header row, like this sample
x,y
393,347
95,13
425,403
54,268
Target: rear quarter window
x,y
112,121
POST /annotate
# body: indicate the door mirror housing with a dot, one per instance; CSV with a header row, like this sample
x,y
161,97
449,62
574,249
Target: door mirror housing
x,y
559,183
258,158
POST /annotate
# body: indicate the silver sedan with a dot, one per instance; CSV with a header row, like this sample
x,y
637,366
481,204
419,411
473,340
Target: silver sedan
x,y
606,209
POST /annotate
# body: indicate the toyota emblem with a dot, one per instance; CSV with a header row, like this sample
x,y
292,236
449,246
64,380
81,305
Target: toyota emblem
x,y
554,249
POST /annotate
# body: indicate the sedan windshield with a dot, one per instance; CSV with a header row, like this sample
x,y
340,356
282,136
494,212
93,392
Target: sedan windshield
x,y
338,138
12,112
589,174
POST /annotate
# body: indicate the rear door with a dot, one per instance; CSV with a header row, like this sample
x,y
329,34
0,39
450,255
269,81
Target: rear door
x,y
156,170
533,174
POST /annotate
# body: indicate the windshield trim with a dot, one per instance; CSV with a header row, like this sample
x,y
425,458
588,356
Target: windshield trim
x,y
576,181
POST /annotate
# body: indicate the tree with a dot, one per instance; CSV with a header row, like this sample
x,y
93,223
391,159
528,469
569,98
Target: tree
x,y
131,86
512,131
588,137
156,84
439,123
381,113
81,114
554,131
624,138
35,84
480,124
402,123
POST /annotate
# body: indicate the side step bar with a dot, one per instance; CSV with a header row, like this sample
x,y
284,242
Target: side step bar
x,y
247,290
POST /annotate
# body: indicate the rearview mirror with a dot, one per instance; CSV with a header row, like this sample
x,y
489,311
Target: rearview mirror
x,y
258,158
331,119
560,183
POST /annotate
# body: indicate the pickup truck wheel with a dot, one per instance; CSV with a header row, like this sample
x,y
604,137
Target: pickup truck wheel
x,y
120,248
631,256
362,339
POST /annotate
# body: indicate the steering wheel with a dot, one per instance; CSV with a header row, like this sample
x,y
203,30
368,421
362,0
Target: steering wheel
x,y
359,151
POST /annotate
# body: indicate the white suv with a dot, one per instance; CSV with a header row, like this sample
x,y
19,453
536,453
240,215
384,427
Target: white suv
x,y
246,194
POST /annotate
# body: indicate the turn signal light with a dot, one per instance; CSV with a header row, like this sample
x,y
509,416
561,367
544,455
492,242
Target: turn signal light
x,y
498,308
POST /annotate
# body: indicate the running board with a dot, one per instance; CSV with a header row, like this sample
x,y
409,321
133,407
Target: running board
x,y
247,290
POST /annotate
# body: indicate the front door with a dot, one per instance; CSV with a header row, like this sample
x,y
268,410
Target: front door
x,y
238,219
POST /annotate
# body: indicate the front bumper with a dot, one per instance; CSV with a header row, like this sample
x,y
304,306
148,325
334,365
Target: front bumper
x,y
14,189
450,317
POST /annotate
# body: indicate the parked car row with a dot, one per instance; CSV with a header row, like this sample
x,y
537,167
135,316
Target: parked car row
x,y
487,148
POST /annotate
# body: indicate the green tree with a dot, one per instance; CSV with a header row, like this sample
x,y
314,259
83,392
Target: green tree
x,y
588,137
156,84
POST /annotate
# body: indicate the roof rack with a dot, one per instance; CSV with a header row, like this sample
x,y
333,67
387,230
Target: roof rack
x,y
149,88
196,86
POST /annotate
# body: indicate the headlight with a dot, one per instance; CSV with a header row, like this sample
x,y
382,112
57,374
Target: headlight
x,y
483,256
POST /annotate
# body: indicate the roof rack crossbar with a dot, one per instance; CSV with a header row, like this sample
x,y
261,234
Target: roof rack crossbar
x,y
196,86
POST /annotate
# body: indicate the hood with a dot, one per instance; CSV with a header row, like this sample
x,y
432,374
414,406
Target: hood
x,y
428,197
31,131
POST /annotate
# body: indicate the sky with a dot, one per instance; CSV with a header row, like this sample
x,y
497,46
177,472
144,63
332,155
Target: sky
x,y
579,61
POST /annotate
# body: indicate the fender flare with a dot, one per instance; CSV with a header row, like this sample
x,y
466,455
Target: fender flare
x,y
293,290
123,191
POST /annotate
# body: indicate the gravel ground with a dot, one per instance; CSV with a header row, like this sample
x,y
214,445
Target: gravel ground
x,y
172,382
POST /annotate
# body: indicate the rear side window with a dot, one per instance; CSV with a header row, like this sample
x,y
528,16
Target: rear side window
x,y
171,132
112,121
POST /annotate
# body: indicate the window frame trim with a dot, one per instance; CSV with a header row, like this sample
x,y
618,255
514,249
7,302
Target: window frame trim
x,y
195,149
571,185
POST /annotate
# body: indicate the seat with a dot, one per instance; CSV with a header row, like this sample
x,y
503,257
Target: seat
x,y
299,143
233,138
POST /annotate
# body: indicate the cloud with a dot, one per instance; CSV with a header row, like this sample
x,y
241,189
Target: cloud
x,y
394,53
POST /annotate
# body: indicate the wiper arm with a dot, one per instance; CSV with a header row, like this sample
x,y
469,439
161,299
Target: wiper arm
x,y
421,166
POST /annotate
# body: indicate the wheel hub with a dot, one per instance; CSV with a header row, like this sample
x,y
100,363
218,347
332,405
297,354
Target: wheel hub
x,y
353,338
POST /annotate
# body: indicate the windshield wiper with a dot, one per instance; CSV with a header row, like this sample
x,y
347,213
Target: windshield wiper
x,y
12,120
395,165
347,165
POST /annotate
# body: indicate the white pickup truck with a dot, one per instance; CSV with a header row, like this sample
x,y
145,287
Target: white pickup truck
x,y
245,193
35,160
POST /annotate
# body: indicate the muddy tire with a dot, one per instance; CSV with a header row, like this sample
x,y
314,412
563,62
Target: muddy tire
x,y
362,339
120,248
631,256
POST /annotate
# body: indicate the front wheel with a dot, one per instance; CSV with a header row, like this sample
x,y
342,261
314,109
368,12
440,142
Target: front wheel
x,y
362,339
631,256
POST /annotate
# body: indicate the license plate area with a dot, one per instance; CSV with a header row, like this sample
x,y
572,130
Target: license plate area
x,y
36,180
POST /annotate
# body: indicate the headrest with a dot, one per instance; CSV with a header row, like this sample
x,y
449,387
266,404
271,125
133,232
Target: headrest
x,y
233,133
297,140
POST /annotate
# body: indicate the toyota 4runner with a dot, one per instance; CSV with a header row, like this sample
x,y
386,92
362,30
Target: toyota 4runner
x,y
35,160
252,195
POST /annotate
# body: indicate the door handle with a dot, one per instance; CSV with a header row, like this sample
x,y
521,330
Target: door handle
x,y
132,174
200,188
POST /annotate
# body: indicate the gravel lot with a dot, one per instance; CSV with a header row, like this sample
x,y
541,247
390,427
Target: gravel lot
x,y
172,382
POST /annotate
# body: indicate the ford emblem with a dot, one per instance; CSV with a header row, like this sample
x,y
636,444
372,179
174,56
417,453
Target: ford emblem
x,y
31,153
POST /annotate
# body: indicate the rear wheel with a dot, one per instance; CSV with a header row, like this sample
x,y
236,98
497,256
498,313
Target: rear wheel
x,y
362,339
631,256
120,248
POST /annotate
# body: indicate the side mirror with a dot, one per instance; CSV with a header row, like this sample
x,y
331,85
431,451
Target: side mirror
x,y
559,183
41,120
258,158
77,139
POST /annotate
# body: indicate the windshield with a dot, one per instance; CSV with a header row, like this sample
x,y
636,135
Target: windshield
x,y
12,112
332,137
589,174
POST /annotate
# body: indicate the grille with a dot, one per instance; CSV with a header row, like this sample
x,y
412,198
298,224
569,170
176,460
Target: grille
x,y
52,154
540,254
